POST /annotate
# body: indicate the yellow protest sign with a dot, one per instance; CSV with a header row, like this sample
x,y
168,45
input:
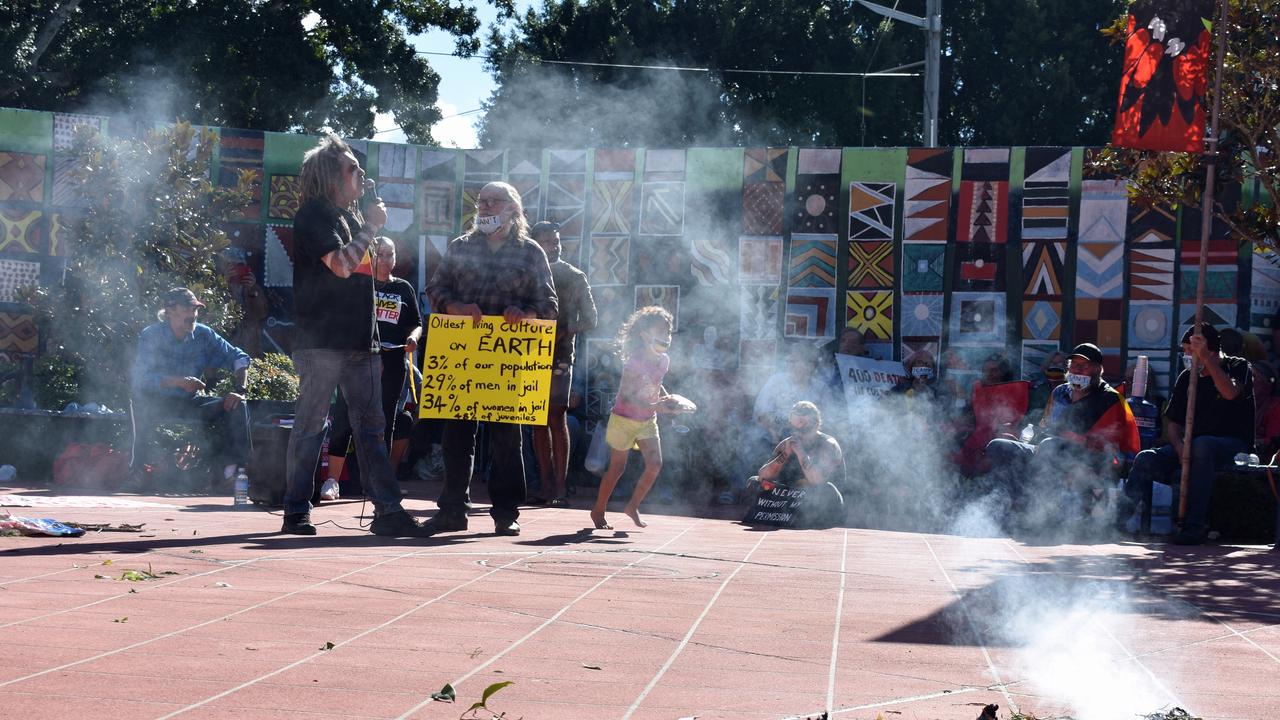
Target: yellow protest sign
x,y
494,371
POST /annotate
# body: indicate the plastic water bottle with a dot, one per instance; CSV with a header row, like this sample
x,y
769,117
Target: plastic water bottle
x,y
1243,459
242,490
1028,433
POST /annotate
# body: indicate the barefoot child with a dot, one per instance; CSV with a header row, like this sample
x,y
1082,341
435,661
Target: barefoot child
x,y
644,340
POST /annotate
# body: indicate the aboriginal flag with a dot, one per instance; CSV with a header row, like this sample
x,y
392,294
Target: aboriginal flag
x,y
1166,69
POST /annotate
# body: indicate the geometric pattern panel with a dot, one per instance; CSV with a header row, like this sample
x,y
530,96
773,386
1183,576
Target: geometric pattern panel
x,y
758,311
1151,273
817,194
1046,197
922,267
871,313
22,177
810,313
662,208
1264,293
22,231
921,315
1041,319
610,260
759,260
18,333
1220,314
241,151
612,206
1219,285
980,266
1101,322
1104,207
1042,264
927,195
763,190
813,261
871,209
871,264
977,319
277,261
565,194
1150,325
983,214
15,275
284,197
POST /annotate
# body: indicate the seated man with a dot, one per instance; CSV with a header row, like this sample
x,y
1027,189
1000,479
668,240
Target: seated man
x,y
1223,426
1085,425
172,355
809,459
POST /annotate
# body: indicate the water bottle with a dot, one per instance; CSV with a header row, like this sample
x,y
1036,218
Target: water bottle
x,y
242,490
1243,459
1028,433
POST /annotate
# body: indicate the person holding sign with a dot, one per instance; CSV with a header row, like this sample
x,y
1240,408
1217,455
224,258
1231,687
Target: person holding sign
x,y
577,315
494,269
644,340
808,460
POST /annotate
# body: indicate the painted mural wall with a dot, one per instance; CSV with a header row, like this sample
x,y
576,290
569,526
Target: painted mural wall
x,y
963,251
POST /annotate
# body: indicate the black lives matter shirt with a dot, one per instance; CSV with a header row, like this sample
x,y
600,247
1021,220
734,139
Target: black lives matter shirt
x,y
397,308
330,312
1217,416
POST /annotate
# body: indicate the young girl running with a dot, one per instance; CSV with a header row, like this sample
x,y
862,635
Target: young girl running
x,y
644,340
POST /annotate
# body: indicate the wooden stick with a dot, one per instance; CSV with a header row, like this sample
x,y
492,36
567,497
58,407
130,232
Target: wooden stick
x,y
1206,225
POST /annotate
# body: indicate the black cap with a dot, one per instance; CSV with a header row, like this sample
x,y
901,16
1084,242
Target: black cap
x,y
1210,333
181,296
544,226
1088,351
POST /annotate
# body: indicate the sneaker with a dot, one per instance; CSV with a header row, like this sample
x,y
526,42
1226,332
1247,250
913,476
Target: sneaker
x,y
329,490
298,524
510,529
560,502
398,524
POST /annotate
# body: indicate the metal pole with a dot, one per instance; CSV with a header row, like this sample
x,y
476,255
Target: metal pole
x,y
932,69
1206,225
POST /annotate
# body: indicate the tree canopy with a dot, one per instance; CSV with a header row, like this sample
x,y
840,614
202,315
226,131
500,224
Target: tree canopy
x,y
237,63
1013,72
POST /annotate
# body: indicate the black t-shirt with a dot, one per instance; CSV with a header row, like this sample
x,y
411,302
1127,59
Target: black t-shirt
x,y
1215,415
398,313
331,313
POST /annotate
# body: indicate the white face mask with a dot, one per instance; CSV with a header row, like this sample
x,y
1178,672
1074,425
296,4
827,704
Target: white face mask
x,y
1078,381
922,372
489,224
1186,361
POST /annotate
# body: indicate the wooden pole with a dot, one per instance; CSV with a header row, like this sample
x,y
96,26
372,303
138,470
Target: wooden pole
x,y
1206,225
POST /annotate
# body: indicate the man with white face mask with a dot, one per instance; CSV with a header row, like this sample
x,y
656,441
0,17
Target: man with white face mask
x,y
494,269
1223,427
1085,426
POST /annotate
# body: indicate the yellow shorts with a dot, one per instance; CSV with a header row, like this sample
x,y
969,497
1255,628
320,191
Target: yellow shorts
x,y
624,433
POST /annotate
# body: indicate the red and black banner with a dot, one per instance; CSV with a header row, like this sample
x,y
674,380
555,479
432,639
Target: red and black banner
x,y
1166,71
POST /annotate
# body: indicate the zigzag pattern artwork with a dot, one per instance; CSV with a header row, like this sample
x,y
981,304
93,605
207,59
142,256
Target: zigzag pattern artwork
x,y
813,261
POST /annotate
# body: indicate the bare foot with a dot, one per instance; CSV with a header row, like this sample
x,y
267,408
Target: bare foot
x,y
635,517
599,521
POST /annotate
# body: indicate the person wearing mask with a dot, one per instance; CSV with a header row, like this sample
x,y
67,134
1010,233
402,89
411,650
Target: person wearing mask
x,y
1086,424
333,344
810,459
1223,426
577,315
494,269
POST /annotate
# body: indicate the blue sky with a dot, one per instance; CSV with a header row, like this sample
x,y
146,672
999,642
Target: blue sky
x,y
464,84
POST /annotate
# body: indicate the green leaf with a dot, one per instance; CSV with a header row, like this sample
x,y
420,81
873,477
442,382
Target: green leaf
x,y
446,694
489,691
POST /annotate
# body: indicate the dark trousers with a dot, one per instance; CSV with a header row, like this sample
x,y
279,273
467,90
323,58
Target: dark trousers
x,y
506,472
1027,471
1162,465
228,432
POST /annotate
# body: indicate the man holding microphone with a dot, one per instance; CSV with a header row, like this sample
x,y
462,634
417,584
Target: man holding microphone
x,y
334,337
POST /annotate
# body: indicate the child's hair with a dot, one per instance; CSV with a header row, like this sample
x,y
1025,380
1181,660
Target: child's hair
x,y
628,341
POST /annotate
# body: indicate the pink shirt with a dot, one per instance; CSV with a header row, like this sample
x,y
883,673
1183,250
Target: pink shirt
x,y
641,379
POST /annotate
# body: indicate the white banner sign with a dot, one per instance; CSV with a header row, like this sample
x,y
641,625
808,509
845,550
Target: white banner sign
x,y
865,377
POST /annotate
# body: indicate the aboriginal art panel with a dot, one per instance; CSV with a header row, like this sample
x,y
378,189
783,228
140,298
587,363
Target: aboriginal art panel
x,y
967,250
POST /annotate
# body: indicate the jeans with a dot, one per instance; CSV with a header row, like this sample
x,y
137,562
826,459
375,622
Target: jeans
x,y
506,472
1208,454
231,436
1044,470
358,375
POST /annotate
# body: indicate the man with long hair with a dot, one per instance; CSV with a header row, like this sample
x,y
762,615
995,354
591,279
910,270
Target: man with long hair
x,y
494,269
334,344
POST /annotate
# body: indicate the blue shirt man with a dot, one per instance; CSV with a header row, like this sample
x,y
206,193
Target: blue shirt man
x,y
173,354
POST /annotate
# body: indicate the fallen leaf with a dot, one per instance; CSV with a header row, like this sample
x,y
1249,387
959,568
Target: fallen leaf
x,y
222,584
108,561
101,577
133,590
197,552
124,619
327,646
592,667
446,694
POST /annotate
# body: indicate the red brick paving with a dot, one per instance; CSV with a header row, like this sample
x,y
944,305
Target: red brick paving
x,y
688,617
